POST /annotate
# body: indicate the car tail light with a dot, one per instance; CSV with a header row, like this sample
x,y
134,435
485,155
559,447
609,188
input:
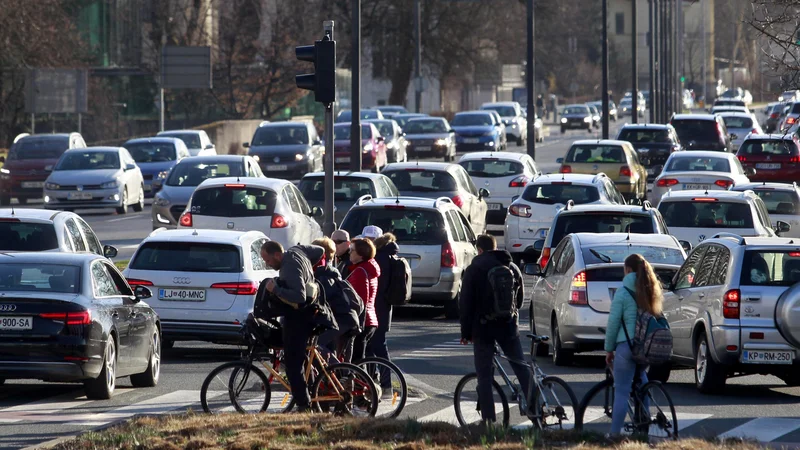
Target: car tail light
x,y
237,288
704,199
278,221
520,181
235,185
753,131
136,282
666,182
5,219
794,159
70,318
394,207
773,116
742,158
565,169
186,219
545,257
790,120
730,304
448,257
725,184
519,210
458,201
794,254
625,171
577,290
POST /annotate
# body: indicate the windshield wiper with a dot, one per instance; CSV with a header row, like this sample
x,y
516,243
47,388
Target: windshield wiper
x,y
601,256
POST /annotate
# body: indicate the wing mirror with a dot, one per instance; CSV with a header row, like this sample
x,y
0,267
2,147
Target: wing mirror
x,y
782,227
209,146
381,139
750,171
142,293
483,193
317,142
316,211
130,167
687,246
2,159
533,269
560,160
157,185
246,144
109,251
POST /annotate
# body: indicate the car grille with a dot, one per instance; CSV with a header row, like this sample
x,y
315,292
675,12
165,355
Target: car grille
x,y
176,211
423,142
471,134
270,159
84,187
147,177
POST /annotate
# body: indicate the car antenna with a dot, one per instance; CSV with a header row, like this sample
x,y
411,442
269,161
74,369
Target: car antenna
x,y
194,233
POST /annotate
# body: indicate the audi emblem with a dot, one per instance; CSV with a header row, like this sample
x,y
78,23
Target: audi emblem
x,y
182,280
8,307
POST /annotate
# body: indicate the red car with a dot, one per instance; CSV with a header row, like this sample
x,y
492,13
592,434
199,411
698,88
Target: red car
x,y
775,157
373,147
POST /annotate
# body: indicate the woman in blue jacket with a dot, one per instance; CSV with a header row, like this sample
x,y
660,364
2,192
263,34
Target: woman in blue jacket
x,y
642,281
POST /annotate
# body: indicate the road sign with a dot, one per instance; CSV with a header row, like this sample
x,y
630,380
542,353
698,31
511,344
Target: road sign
x,y
186,68
56,91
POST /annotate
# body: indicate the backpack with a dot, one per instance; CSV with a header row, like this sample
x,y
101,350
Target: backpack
x,y
652,338
398,293
351,296
503,284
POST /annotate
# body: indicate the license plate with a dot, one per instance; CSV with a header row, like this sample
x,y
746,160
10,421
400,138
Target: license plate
x,y
471,140
79,196
343,159
277,168
768,166
651,170
767,357
695,187
494,206
32,184
148,188
422,149
182,295
16,323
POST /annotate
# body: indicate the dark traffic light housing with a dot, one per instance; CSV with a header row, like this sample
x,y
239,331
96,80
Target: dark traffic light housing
x,y
323,80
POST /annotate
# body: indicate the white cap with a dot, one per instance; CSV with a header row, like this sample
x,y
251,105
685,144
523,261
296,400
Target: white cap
x,y
371,232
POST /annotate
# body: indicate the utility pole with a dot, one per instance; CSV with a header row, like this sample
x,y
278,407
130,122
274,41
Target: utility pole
x,y
605,72
668,60
418,57
676,77
663,61
530,82
634,61
355,121
328,161
705,56
656,94
651,54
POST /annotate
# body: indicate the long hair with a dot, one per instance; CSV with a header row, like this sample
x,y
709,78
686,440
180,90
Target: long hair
x,y
648,287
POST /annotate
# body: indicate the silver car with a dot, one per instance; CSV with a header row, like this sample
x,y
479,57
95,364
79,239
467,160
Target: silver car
x,y
348,187
572,296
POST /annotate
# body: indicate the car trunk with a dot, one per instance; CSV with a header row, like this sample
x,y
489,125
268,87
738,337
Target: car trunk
x,y
425,262
610,169
603,281
26,334
716,181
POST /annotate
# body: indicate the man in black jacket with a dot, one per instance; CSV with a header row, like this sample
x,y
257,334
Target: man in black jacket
x,y
478,326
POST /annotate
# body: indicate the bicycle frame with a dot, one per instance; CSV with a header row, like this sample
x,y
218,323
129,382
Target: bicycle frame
x,y
537,375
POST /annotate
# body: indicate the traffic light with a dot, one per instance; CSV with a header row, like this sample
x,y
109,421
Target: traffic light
x,y
323,80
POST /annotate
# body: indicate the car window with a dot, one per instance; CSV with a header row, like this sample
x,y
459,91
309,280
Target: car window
x,y
281,135
91,238
301,202
88,160
68,240
779,202
466,181
120,284
560,192
645,135
705,269
347,189
190,173
770,268
567,258
595,154
410,225
27,236
192,140
686,275
293,202
102,282
554,258
75,233
456,230
492,168
422,180
706,214
39,278
255,254
720,272
616,253
233,201
152,152
467,227
252,170
738,122
391,188
689,163
38,147
187,257
604,222
696,130
768,147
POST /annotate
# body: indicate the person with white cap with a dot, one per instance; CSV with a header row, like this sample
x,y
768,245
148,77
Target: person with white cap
x,y
371,232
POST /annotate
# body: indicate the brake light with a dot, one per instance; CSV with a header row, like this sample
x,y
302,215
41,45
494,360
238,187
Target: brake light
x,y
725,184
186,219
545,257
579,280
70,318
520,181
730,304
8,220
666,182
243,288
458,201
741,158
448,257
754,131
135,282
278,221
625,171
794,254
394,207
773,116
565,169
703,199
790,120
235,186
519,210
577,291
794,159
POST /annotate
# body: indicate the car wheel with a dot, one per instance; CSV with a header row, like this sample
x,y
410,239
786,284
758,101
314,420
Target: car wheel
x,y
563,130
709,376
5,201
123,209
561,357
149,378
102,387
22,201
139,206
451,310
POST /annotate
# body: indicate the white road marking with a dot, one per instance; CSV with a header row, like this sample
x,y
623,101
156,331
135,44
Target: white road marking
x,y
42,407
120,219
763,429
153,406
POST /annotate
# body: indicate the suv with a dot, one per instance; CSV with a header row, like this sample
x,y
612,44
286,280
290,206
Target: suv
x,y
348,187
782,201
653,143
287,149
434,236
29,162
731,308
514,120
197,141
702,132
618,159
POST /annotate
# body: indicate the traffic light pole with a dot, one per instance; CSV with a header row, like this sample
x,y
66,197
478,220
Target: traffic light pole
x,y
328,226
355,108
604,96
529,83
634,62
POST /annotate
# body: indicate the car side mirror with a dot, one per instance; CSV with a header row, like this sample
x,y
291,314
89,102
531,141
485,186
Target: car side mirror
x,y
316,211
209,146
316,142
109,251
538,245
130,167
733,137
750,171
533,269
483,193
451,131
157,185
687,246
782,227
142,293
246,144
560,160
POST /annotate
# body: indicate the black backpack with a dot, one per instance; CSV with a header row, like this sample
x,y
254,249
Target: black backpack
x,y
398,293
351,297
503,283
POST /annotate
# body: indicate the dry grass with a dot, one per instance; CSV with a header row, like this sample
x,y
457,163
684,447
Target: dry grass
x,y
304,431
121,265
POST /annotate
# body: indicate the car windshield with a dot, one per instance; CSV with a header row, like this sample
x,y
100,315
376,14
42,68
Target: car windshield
x,y
342,132
689,163
768,147
644,136
347,189
770,268
233,201
392,109
560,192
599,254
422,180
738,122
504,111
795,108
148,152
576,110
410,226
187,257
706,214
625,102
595,154
776,108
83,160
58,278
601,222
38,148
280,135
696,130
385,128
422,126
403,121
492,168
27,237
471,120
190,173
192,140
779,202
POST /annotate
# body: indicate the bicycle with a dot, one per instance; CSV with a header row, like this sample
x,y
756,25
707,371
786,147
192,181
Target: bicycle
x,y
392,402
550,411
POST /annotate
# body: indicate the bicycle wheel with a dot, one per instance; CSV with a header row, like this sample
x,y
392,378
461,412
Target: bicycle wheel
x,y
465,401
393,388
657,414
556,405
595,409
347,390
235,386
281,399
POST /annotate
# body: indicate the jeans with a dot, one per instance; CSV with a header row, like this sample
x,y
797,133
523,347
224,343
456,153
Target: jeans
x,y
624,371
296,331
377,345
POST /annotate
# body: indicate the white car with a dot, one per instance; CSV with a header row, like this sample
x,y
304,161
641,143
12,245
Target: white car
x,y
782,201
204,282
274,207
196,141
720,109
695,216
513,119
698,170
41,230
740,125
504,175
530,216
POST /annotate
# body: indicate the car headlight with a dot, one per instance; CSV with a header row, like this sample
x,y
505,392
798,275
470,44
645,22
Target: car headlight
x,y
299,157
563,120
587,119
368,147
4,171
441,142
52,186
161,201
162,175
110,184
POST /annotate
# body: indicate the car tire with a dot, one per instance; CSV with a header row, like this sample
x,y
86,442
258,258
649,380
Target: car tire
x,y
561,356
660,373
102,387
123,209
709,376
139,206
451,309
22,201
5,201
149,378
563,130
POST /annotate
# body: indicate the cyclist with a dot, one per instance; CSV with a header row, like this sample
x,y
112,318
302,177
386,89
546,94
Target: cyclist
x,y
641,291
339,342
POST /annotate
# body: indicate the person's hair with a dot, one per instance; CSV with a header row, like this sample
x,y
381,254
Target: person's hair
x,y
364,248
384,239
271,247
486,242
648,287
327,245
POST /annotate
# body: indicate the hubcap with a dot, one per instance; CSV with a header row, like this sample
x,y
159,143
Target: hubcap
x,y
702,361
111,358
156,359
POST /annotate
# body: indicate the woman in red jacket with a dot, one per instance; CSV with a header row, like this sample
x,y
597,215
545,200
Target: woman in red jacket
x,y
364,272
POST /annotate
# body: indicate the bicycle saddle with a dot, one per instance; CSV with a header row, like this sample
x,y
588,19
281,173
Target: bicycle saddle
x,y
538,338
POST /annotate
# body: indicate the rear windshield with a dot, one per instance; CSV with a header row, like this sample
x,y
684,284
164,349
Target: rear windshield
x,y
187,257
765,147
423,126
471,120
281,135
83,160
344,189
492,168
342,132
698,164
598,254
27,237
191,140
770,268
147,152
795,108
233,202
696,130
421,180
412,226
691,214
737,122
40,278
612,274
504,111
642,136
38,148
595,154
190,173
551,194
779,202
601,223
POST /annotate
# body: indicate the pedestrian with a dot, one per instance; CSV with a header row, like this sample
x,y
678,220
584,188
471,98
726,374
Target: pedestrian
x,y
339,342
364,273
296,288
491,296
341,238
371,232
641,291
385,247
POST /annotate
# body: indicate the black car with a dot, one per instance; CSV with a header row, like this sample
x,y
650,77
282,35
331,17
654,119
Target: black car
x,y
702,132
576,117
68,317
287,150
653,142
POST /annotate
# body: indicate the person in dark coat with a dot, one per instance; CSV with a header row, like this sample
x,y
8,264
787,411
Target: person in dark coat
x,y
386,246
341,239
340,341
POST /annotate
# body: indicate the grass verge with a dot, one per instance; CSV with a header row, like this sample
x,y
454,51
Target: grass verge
x,y
304,431
122,264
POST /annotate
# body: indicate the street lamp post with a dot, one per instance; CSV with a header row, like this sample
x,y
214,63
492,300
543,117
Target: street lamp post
x,y
651,54
634,61
355,108
605,70
529,82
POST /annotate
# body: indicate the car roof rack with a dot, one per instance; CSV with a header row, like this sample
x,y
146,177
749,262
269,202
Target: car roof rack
x,y
723,235
443,200
570,204
599,175
646,205
363,199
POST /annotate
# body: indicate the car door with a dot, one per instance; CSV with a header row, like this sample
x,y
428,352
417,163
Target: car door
x,y
109,298
677,302
140,324
544,291
470,252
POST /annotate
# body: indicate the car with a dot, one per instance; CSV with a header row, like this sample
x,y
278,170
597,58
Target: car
x,y
504,174
29,162
402,119
791,117
430,137
530,216
612,109
653,143
434,237
272,206
475,131
576,117
286,149
646,96
539,130
514,120
789,96
740,126
615,158
688,99
641,103
394,138
771,157
782,201
95,177
702,132
346,115
732,310
571,296
348,187
625,107
435,180
694,216
203,281
733,94
697,170
72,317
595,115
197,141
40,230
773,113
173,194
389,111
501,127
155,158
728,102
373,147
729,108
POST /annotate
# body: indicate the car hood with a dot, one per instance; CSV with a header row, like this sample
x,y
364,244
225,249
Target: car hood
x,y
412,137
153,168
29,164
267,150
472,130
177,195
83,176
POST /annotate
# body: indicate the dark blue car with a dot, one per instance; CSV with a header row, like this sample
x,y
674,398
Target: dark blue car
x,y
475,131
156,156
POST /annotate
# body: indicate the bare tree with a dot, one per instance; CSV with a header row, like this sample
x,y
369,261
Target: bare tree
x,y
778,23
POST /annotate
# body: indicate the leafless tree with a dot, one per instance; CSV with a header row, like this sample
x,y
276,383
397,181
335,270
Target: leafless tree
x,y
778,23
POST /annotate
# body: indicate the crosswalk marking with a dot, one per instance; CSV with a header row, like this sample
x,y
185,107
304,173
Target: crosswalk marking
x,y
685,420
763,429
153,406
42,407
448,415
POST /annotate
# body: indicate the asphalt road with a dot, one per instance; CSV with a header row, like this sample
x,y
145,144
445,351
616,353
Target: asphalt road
x,y
422,343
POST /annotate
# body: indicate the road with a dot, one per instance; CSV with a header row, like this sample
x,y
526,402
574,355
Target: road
x,y
423,344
